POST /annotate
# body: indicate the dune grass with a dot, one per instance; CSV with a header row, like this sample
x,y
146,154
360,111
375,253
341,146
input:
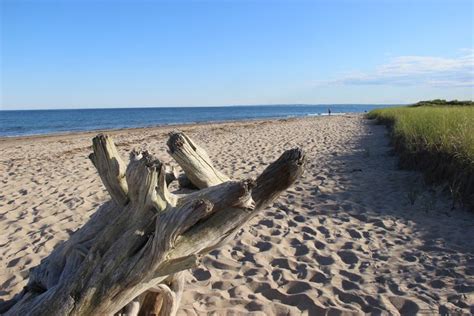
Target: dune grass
x,y
437,139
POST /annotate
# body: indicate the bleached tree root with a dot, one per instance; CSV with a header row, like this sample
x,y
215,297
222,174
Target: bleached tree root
x,y
127,259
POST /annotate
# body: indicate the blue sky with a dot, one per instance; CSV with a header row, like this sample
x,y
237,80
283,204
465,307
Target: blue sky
x,y
104,53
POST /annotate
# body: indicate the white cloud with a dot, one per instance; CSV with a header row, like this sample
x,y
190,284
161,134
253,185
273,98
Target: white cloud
x,y
417,70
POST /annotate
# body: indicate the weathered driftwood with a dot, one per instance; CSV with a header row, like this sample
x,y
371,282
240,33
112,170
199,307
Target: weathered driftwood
x,y
127,259
194,161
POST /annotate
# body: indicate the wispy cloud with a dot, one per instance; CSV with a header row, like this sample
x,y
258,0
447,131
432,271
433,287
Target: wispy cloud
x,y
417,70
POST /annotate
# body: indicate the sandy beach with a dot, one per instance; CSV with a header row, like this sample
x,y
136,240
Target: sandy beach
x,y
354,235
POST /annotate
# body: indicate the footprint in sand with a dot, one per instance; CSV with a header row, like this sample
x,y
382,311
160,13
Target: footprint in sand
x,y
348,257
266,222
323,230
295,287
300,250
309,231
263,246
299,218
354,233
404,306
348,285
201,274
324,260
407,256
319,277
319,245
352,276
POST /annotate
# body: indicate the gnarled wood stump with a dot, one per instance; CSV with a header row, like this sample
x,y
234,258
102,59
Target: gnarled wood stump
x,y
127,259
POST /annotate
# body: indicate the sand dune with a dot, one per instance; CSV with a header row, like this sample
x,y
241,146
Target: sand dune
x,y
354,235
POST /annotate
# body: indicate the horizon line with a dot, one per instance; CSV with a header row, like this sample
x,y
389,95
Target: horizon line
x,y
200,106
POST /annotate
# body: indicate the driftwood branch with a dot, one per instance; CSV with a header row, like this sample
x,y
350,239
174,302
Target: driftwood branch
x,y
127,260
110,167
194,160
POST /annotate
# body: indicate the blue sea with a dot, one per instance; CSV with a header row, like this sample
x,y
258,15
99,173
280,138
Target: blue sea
x,y
38,122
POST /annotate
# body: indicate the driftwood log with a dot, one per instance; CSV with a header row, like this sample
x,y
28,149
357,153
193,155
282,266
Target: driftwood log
x,y
127,259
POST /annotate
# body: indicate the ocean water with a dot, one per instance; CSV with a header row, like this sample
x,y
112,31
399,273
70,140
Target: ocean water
x,y
37,122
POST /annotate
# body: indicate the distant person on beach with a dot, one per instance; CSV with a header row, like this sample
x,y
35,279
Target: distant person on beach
x,y
329,111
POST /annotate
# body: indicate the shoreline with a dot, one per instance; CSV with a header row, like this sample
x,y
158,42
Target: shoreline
x,y
112,131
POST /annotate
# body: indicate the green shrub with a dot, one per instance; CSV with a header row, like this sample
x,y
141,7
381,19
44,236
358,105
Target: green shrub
x,y
436,139
440,102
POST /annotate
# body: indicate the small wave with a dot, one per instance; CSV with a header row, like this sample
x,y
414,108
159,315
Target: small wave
x,y
326,114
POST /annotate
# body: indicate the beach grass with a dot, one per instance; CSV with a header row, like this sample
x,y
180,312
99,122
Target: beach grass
x,y
436,138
